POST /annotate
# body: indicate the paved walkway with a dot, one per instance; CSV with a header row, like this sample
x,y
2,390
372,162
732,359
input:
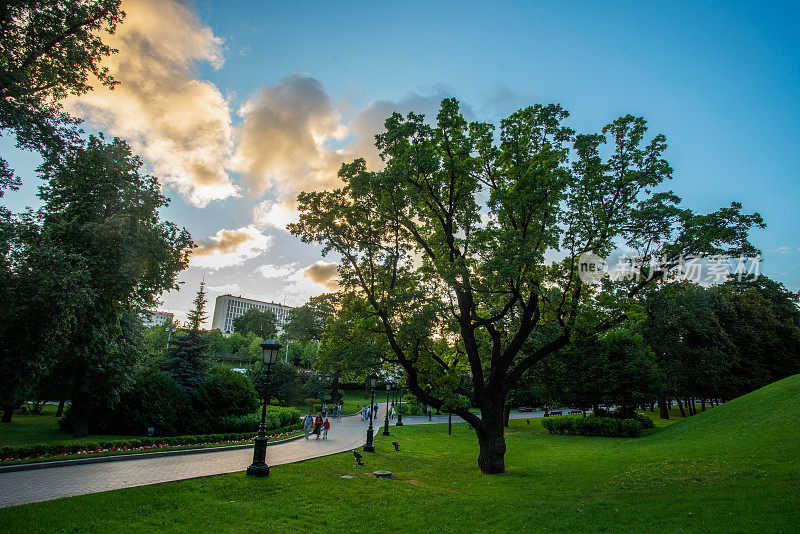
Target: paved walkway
x,y
348,433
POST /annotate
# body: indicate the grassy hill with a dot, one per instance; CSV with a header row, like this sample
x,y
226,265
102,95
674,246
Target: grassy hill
x,y
733,468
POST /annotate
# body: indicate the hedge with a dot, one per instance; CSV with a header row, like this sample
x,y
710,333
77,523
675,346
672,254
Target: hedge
x,y
18,452
593,426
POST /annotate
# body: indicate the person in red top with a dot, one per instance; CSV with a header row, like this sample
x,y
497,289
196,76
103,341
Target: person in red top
x,y
318,424
325,427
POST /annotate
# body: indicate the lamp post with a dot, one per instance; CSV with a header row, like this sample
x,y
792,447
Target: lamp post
x,y
400,409
373,381
259,468
386,421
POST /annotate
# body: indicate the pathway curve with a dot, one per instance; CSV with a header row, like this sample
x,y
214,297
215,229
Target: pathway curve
x,y
36,485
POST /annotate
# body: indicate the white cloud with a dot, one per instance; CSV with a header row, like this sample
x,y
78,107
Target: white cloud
x,y
225,288
276,271
181,126
267,214
231,247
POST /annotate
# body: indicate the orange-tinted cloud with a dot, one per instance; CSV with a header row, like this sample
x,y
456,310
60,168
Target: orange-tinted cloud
x,y
231,247
180,125
325,274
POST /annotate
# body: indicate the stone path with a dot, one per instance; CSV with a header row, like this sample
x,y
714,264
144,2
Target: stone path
x,y
348,433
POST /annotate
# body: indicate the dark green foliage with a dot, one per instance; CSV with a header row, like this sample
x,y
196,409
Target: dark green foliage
x,y
243,423
198,315
593,426
446,246
307,322
186,361
645,421
100,209
288,384
284,381
155,400
260,323
616,368
722,341
49,50
224,393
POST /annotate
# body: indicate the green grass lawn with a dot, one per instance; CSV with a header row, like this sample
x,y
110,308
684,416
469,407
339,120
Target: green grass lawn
x,y
27,429
733,468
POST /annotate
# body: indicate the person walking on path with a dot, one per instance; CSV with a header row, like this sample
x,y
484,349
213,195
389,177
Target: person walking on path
x,y
318,425
391,413
363,412
430,413
325,427
308,420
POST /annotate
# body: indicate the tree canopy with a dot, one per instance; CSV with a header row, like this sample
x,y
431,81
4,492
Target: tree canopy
x,y
260,323
449,245
49,50
101,211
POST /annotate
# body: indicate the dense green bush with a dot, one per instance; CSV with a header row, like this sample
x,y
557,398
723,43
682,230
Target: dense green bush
x,y
593,426
285,416
644,420
224,392
154,400
224,401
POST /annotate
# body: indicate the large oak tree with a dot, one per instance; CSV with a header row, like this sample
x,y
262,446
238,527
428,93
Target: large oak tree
x,y
466,245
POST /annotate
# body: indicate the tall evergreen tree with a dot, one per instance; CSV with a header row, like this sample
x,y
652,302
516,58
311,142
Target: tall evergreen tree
x,y
186,357
198,315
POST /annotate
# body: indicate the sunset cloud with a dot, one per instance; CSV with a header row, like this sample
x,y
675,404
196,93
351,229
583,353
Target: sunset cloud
x,y
180,125
284,135
292,139
324,274
231,247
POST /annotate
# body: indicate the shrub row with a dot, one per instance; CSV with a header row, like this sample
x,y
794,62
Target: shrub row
x,y
50,449
593,426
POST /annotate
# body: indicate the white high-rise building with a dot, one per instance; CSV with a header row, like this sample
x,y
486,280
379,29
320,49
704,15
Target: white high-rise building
x,y
153,318
228,307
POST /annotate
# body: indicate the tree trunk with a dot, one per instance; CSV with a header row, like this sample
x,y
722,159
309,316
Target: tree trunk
x,y
652,407
663,409
60,410
506,415
334,387
8,411
492,447
680,405
702,405
80,403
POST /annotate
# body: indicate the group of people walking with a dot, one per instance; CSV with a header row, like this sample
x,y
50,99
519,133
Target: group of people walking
x,y
335,411
369,412
319,425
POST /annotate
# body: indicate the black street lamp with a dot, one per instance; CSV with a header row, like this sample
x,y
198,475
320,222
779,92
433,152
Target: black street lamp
x,y
259,468
373,381
386,421
400,409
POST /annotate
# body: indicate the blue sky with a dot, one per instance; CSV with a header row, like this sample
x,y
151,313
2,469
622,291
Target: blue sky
x,y
720,80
